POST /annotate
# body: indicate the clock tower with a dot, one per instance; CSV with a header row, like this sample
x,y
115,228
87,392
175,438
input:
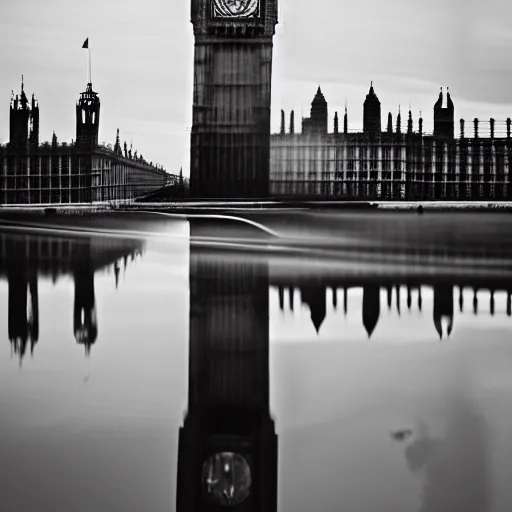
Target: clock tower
x,y
227,452
230,141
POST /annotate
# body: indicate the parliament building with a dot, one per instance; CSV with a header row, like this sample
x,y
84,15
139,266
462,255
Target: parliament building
x,y
81,172
391,164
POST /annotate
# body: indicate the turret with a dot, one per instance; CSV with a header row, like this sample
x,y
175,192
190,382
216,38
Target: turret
x,y
292,122
34,122
24,120
317,122
409,124
444,116
390,123
345,121
399,121
117,146
282,123
87,118
371,113
336,125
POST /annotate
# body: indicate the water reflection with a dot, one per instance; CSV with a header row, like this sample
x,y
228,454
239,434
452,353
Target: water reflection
x,y
313,295
228,414
454,469
25,257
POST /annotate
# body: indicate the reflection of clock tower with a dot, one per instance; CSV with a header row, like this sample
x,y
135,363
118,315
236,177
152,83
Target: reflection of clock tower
x,y
227,446
230,142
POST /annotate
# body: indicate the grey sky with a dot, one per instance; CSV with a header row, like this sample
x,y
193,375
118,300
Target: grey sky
x,y
142,55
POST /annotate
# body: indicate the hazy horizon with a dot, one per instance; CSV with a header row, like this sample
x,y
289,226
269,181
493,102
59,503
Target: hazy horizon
x,y
142,58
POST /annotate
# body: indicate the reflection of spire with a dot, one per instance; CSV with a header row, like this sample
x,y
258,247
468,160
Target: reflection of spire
x,y
371,308
492,303
420,300
443,308
22,325
85,325
116,272
345,300
398,299
389,290
461,299
409,298
280,290
475,301
334,297
314,297
509,303
291,297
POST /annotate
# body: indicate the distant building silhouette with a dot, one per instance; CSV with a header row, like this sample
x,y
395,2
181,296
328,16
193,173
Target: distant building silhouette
x,y
83,171
317,122
393,164
444,117
227,445
371,113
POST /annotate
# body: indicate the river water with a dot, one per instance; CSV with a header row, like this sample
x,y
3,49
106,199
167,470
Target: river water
x,y
361,363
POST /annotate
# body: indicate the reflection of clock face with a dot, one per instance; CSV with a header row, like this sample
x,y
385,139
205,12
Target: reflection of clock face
x,y
236,8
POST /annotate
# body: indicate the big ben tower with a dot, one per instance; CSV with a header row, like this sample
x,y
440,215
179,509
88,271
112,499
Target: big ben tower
x,y
230,141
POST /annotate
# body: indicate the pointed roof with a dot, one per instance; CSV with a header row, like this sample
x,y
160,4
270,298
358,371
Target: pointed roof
x,y
317,317
371,96
439,102
319,98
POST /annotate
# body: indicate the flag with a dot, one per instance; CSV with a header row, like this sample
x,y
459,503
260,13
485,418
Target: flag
x,y
86,43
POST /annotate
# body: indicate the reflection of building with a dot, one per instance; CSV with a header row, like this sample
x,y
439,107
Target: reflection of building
x,y
227,446
313,294
85,326
314,297
371,308
400,162
82,171
231,103
23,313
23,258
443,309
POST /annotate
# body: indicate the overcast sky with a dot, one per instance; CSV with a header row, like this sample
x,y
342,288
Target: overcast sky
x,y
142,55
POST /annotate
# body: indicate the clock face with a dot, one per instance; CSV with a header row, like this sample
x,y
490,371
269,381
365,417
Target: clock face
x,y
236,8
